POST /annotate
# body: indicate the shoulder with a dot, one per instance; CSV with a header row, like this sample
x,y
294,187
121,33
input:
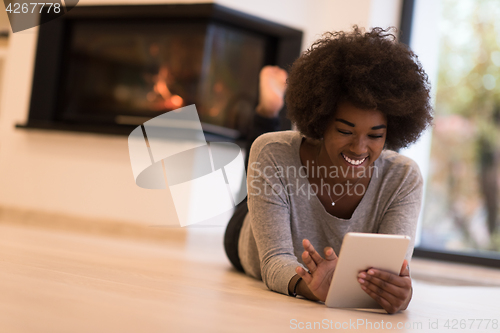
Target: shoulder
x,y
275,138
392,159
395,166
276,143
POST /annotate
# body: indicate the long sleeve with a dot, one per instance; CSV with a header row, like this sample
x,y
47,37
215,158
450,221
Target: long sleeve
x,y
270,219
401,217
283,211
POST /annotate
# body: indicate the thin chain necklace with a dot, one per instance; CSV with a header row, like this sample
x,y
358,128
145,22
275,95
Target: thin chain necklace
x,y
320,176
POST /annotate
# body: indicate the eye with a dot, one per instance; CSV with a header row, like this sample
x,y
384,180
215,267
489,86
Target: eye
x,y
344,132
376,136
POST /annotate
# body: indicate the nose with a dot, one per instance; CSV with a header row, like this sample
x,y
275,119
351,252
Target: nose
x,y
359,146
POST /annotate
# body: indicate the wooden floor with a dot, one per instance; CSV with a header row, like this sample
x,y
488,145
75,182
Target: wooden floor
x,y
56,281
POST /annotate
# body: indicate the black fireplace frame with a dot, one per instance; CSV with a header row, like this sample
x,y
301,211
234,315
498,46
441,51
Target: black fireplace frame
x,y
54,35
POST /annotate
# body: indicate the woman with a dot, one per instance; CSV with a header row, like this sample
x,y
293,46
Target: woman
x,y
352,96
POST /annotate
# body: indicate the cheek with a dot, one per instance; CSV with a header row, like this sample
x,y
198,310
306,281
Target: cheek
x,y
335,144
377,147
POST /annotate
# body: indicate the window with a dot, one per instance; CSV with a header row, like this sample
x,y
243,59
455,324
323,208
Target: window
x,y
458,43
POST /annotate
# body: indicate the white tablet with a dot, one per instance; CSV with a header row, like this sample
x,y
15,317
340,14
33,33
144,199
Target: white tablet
x,y
359,252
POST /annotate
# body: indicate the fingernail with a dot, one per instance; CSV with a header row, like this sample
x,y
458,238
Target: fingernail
x,y
371,272
362,275
363,287
361,281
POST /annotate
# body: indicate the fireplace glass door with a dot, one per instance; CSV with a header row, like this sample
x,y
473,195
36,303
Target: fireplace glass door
x,y
128,72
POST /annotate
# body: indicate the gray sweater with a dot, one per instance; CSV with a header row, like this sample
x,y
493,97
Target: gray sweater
x,y
283,208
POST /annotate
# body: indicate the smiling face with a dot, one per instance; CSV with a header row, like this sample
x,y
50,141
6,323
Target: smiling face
x,y
355,138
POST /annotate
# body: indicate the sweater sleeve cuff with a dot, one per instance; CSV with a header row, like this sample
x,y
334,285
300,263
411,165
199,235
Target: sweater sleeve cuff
x,y
288,273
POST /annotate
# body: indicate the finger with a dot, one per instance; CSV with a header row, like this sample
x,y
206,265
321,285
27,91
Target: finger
x,y
382,288
330,253
311,265
405,269
390,308
391,278
307,277
312,252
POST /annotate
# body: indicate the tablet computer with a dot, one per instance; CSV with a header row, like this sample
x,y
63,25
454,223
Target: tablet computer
x,y
359,252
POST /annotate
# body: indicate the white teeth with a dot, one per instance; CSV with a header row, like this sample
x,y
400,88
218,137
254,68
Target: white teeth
x,y
354,162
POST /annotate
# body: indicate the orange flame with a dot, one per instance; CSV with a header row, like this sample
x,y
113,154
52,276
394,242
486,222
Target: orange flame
x,y
170,101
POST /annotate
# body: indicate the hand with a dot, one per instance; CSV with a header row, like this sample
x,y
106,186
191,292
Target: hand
x,y
320,270
272,85
393,292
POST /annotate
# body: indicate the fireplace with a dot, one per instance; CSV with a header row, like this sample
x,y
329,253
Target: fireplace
x,y
107,69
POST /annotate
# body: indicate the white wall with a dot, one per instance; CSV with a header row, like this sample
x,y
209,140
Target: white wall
x,y
385,13
90,175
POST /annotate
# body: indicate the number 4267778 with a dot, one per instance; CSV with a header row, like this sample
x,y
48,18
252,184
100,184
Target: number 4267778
x,y
25,8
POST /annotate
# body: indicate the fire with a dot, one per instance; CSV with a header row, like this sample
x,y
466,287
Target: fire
x,y
170,101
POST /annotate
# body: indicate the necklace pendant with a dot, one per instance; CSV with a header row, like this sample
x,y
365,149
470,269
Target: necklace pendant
x,y
333,203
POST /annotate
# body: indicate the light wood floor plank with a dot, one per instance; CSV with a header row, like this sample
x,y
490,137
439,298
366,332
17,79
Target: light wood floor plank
x,y
54,281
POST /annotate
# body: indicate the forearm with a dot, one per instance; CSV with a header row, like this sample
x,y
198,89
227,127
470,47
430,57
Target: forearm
x,y
300,288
